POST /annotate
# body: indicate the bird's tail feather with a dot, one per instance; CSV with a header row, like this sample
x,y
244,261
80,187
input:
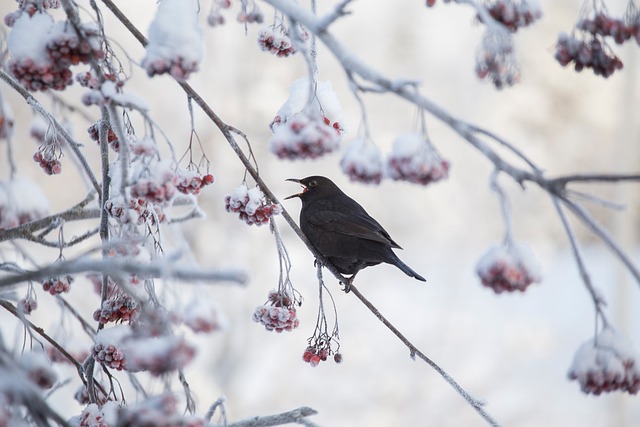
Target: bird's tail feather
x,y
406,269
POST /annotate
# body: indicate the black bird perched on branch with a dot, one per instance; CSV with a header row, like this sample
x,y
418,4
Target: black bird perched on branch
x,y
342,231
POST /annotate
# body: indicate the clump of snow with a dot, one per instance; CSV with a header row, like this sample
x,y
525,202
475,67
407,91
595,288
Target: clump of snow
x,y
362,161
250,205
157,354
509,268
175,40
326,101
21,201
28,38
112,92
606,363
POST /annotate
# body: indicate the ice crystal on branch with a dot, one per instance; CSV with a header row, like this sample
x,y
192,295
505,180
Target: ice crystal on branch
x,y
175,40
414,159
508,268
251,206
606,363
362,161
278,313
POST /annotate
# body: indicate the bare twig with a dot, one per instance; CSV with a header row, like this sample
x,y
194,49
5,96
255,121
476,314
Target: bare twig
x,y
297,416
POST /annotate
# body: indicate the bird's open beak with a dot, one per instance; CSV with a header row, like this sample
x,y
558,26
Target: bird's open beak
x,y
304,188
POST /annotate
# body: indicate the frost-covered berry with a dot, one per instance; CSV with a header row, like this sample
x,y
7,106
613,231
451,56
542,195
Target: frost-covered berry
x,y
155,190
119,308
251,206
496,61
175,40
105,415
606,363
278,314
66,48
275,39
319,352
48,161
605,26
508,268
362,162
57,285
27,305
414,159
112,139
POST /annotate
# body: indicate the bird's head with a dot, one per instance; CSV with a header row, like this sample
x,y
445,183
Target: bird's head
x,y
314,187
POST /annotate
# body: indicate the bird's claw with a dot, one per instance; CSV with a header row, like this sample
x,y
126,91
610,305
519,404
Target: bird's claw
x,y
347,284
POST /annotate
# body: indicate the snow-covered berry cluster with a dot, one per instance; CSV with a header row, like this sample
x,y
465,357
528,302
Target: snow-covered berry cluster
x,y
414,159
57,285
21,201
515,14
362,162
303,136
202,316
588,53
191,182
250,205
508,268
105,415
495,60
159,410
48,161
175,40
157,354
606,363
618,29
276,40
303,129
112,139
43,51
27,305
117,209
38,369
118,308
278,314
158,189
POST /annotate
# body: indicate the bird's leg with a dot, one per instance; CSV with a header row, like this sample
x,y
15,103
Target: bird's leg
x,y
347,283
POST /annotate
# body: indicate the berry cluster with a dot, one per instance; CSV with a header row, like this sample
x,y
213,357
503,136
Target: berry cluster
x,y
119,308
278,314
155,191
27,305
202,316
180,68
158,354
112,139
314,354
157,411
61,48
617,29
250,205
508,268
108,355
48,161
93,415
362,162
115,207
254,16
276,40
592,53
302,136
606,363
415,160
189,182
514,15
57,285
38,369
495,60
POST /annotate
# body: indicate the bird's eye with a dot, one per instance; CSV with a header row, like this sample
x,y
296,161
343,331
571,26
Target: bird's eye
x,y
313,183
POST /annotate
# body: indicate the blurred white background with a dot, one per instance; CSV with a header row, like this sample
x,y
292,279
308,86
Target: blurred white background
x,y
512,351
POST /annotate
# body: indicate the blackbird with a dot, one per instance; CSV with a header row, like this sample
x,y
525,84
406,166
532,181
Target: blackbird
x,y
342,231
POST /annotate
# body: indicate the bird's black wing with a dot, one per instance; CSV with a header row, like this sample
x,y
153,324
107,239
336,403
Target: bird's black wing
x,y
359,224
